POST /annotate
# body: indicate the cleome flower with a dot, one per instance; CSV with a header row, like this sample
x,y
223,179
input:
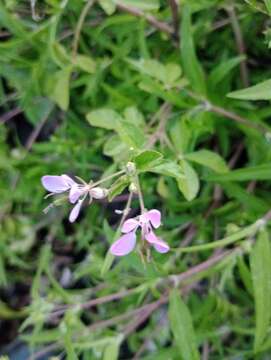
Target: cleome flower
x,y
78,192
146,221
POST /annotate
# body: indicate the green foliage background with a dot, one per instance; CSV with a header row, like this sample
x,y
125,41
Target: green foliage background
x,y
86,87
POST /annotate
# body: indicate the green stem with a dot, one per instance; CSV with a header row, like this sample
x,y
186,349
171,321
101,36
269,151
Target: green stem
x,y
125,211
107,178
109,257
250,230
140,195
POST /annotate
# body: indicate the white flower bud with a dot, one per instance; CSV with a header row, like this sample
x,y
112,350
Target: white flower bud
x,y
133,188
98,193
130,168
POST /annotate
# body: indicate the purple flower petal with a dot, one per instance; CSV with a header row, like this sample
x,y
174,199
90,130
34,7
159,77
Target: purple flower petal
x,y
75,194
154,216
75,211
151,237
124,245
162,247
69,181
129,225
54,184
157,243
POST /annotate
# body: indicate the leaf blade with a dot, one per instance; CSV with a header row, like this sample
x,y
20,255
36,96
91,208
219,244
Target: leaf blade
x,y
260,91
182,327
260,262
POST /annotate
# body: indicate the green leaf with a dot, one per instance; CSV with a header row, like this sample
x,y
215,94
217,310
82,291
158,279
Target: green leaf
x,y
260,261
85,63
245,274
150,67
118,186
167,74
111,351
109,119
108,261
192,68
169,168
173,71
109,6
131,134
189,185
259,172
261,91
114,147
180,134
61,88
208,158
133,115
248,200
147,159
223,69
268,5
104,118
256,4
182,327
38,109
140,4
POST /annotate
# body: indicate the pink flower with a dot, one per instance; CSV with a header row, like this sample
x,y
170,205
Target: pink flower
x,y
147,221
77,192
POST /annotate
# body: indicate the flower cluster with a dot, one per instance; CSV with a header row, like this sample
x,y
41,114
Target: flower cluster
x,y
78,192
146,221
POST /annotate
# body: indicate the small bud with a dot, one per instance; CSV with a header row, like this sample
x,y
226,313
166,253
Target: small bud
x,y
130,168
246,246
133,188
98,193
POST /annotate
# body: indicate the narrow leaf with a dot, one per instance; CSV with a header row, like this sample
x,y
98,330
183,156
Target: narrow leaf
x,y
182,327
261,91
260,261
191,65
61,90
259,172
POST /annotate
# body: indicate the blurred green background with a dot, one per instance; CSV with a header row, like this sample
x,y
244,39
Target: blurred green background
x,y
85,87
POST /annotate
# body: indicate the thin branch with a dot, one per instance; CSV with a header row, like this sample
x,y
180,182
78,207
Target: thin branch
x,y
79,26
44,351
205,265
4,34
143,316
239,43
237,118
160,25
163,113
10,114
206,351
176,21
146,309
226,113
94,302
35,133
